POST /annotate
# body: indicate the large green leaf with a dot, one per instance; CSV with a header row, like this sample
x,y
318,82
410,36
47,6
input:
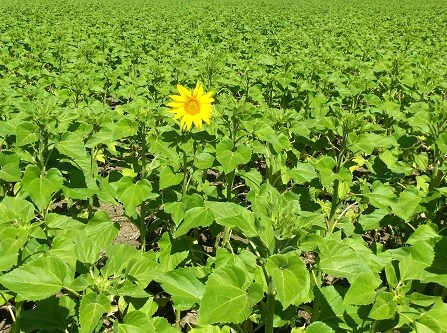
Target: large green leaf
x,y
41,187
134,194
195,217
168,178
234,216
290,277
16,209
36,280
229,158
382,196
91,309
184,287
223,295
136,322
9,167
363,289
341,260
384,306
435,318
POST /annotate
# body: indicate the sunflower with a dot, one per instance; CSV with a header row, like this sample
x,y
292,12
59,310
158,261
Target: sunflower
x,y
191,108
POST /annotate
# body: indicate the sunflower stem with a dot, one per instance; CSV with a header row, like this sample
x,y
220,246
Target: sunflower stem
x,y
185,174
178,318
227,230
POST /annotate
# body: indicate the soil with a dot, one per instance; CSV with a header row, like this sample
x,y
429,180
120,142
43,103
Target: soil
x,y
129,233
5,320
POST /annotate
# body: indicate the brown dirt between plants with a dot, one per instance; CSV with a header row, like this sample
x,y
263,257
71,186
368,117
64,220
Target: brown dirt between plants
x,y
5,320
129,233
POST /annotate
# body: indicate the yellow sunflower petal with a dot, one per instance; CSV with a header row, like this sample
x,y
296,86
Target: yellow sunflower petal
x,y
186,122
175,110
209,94
198,91
175,105
177,98
197,122
179,114
183,91
205,108
207,100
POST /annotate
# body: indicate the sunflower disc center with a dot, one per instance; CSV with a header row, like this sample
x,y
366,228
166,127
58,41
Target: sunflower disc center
x,y
192,107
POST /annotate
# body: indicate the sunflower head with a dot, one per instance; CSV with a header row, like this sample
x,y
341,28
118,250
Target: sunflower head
x,y
191,108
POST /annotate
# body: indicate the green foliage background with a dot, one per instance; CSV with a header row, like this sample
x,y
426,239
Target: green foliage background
x,y
314,202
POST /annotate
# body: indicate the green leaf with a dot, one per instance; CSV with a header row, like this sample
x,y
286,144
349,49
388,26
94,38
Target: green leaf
x,y
407,204
62,222
134,194
101,230
136,322
302,173
41,187
223,294
111,132
316,327
435,318
26,133
85,249
204,161
340,260
424,232
36,280
384,307
72,145
91,309
382,196
234,216
210,329
289,275
184,287
16,209
9,167
363,289
194,217
230,159
48,315
168,178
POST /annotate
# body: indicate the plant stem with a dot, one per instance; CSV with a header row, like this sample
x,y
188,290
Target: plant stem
x,y
185,174
227,230
333,205
43,142
143,151
90,199
18,306
143,226
270,307
178,318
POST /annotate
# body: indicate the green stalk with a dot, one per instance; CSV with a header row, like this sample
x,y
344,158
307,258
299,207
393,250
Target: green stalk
x,y
43,142
186,137
90,200
335,193
143,226
334,205
270,307
18,306
143,151
185,174
227,230
178,318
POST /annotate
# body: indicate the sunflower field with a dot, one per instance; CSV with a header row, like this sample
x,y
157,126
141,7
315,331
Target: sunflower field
x,y
229,166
